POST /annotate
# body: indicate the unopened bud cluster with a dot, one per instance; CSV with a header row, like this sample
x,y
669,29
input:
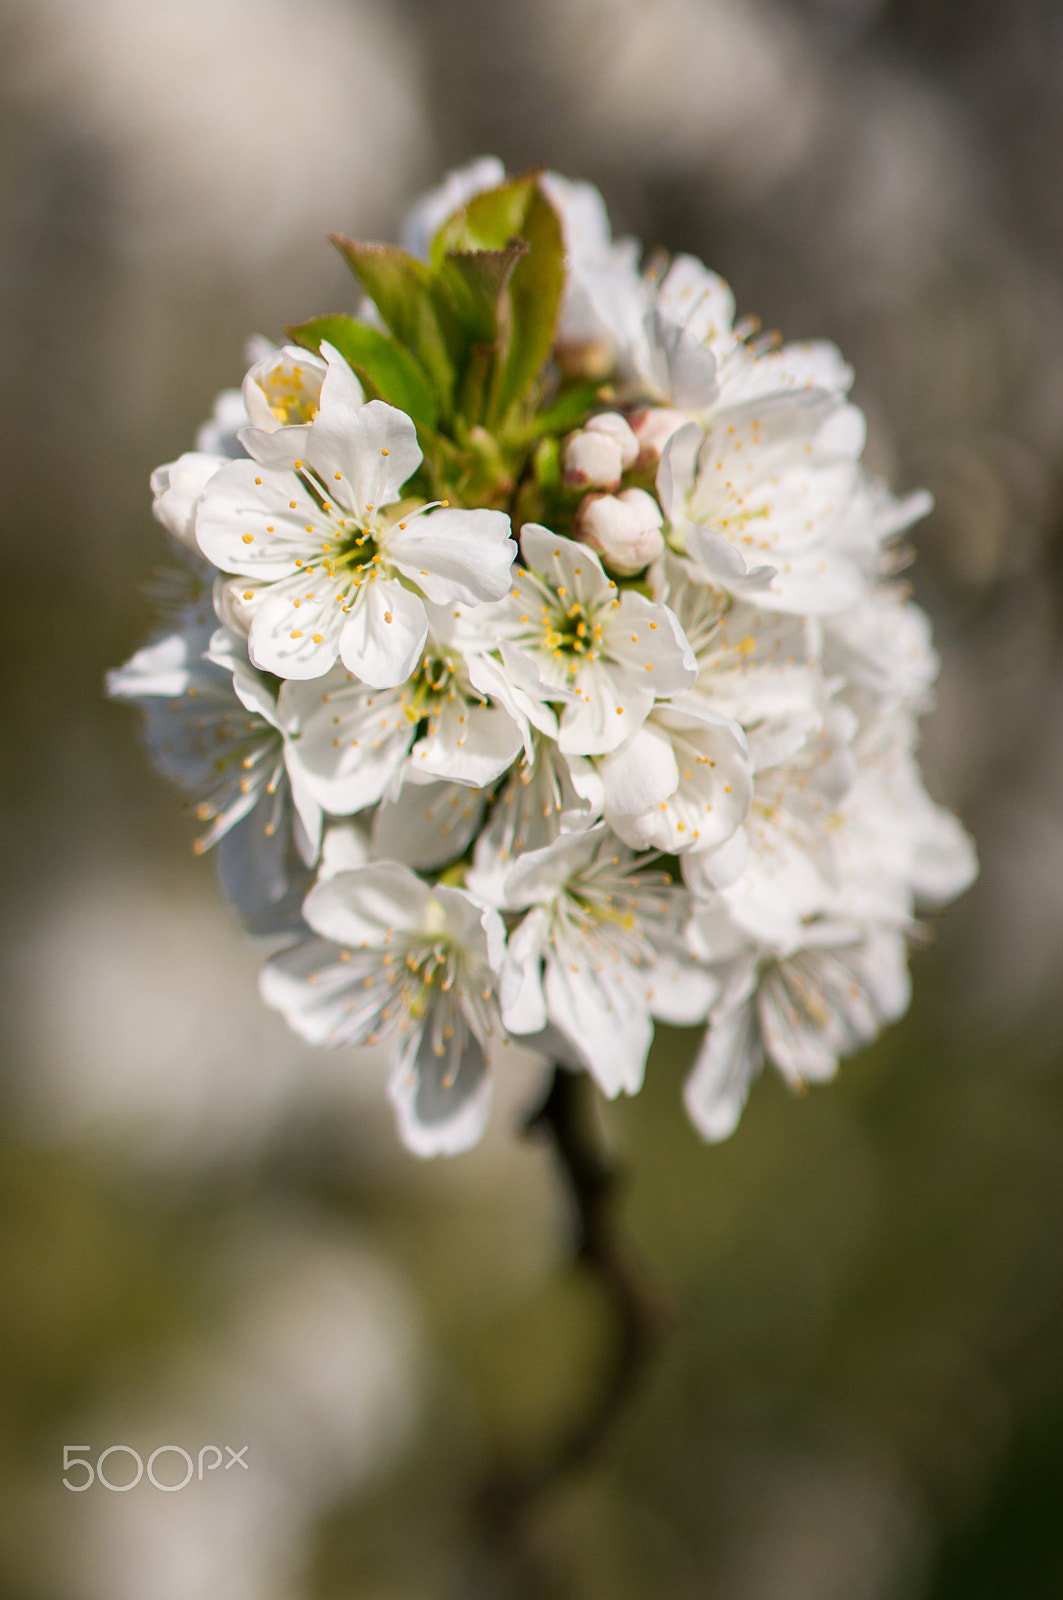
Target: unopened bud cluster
x,y
536,669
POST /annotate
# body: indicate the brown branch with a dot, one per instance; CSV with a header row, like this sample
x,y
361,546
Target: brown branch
x,y
641,1315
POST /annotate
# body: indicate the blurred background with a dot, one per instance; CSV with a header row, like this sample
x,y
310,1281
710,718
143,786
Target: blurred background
x,y
210,1235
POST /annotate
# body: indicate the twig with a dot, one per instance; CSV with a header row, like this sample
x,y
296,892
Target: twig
x,y
641,1315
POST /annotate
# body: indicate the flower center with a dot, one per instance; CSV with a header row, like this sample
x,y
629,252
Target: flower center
x,y
570,633
431,685
291,393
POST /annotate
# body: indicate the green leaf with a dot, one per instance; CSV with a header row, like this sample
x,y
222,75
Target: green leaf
x,y
547,461
476,281
488,222
385,367
568,411
404,291
535,298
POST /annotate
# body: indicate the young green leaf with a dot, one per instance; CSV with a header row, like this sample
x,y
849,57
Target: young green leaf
x,y
385,367
568,411
488,222
535,298
404,291
476,281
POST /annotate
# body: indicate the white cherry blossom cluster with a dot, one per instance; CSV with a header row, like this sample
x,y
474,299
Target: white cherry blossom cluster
x,y
541,712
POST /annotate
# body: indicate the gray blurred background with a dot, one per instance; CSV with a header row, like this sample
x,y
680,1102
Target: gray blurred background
x,y
208,1234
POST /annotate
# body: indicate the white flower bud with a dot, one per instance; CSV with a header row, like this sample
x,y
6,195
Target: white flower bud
x,y
653,429
177,488
625,529
593,458
600,454
614,426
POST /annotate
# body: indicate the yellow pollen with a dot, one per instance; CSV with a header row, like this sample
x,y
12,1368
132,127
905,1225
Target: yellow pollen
x,y
317,637
384,452
387,616
258,480
291,505
249,538
249,594
298,464
296,634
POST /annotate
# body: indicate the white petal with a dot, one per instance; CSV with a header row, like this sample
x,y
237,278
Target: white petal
x,y
611,705
539,875
565,564
641,774
675,475
352,740
346,846
364,455
443,1102
469,744
682,993
946,862
726,565
684,369
428,824
601,1017
384,634
363,906
247,523
177,488
297,640
647,638
520,989
719,867
340,386
729,1060
310,986
278,448
497,681
454,554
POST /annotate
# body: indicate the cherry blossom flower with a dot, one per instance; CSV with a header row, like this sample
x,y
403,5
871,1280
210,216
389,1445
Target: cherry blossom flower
x,y
329,566
395,957
606,653
598,956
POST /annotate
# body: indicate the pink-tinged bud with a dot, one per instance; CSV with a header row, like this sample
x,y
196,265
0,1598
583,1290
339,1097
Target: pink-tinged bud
x,y
625,529
593,458
653,429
